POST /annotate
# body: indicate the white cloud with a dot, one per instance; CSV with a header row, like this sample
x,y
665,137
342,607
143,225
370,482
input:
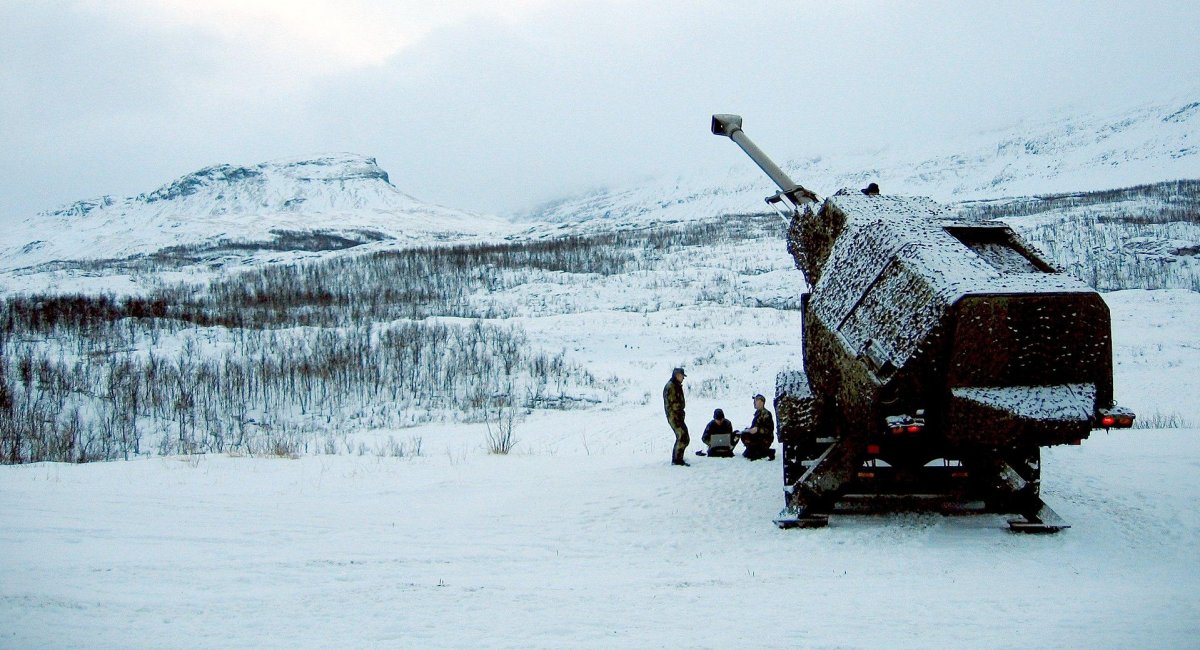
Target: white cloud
x,y
496,105
326,36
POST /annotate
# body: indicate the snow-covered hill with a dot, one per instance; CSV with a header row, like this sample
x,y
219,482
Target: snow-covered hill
x,y
330,201
341,200
1078,153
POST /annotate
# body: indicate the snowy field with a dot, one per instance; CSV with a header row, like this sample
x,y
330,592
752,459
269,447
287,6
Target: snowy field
x,y
611,549
586,537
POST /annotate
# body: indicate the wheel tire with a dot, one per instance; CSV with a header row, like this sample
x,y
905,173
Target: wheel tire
x,y
798,413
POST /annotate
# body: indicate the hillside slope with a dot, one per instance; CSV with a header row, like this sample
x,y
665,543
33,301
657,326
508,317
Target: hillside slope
x,y
1147,144
318,203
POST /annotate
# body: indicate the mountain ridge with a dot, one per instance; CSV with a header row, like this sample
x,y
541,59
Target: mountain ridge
x,y
302,175
340,200
343,198
1149,143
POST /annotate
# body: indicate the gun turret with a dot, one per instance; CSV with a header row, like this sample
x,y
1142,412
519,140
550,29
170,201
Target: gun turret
x,y
940,355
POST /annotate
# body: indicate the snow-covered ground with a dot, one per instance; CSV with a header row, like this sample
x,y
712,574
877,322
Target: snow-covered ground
x,y
567,549
586,537
1156,352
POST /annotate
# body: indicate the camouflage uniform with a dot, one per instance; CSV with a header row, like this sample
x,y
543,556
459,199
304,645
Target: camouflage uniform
x,y
673,405
725,426
757,444
717,428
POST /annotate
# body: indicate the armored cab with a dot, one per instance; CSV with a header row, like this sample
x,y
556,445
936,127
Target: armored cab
x,y
939,356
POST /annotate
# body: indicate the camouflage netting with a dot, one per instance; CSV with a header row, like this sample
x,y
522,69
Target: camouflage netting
x,y
910,302
797,411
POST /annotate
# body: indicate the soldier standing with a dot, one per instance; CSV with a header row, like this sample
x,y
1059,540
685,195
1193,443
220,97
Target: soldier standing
x,y
673,405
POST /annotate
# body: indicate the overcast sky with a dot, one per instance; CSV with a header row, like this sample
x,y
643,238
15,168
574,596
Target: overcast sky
x,y
499,105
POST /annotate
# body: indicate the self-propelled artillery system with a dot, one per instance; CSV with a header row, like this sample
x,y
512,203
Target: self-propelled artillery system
x,y
940,354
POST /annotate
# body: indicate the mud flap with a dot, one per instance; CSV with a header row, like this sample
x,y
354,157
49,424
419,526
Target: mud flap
x,y
1041,520
791,518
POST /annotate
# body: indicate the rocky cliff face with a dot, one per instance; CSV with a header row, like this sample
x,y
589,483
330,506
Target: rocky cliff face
x,y
337,181
313,203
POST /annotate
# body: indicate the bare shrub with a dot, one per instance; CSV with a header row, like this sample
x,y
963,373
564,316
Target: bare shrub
x,y
1157,420
400,449
263,361
284,443
501,424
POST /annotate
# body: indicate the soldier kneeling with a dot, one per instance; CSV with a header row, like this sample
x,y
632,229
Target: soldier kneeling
x,y
759,436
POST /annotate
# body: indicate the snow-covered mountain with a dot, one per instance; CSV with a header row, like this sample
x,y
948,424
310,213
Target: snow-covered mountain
x,y
328,201
1151,143
341,200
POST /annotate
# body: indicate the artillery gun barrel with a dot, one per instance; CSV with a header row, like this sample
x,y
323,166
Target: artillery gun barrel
x,y
730,126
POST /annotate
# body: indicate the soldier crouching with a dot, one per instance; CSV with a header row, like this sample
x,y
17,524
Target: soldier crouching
x,y
759,436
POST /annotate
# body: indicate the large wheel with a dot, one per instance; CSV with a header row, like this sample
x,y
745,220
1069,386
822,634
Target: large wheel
x,y
797,412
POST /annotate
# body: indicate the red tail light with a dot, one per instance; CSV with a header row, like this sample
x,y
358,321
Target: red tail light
x,y
873,450
906,423
1115,416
